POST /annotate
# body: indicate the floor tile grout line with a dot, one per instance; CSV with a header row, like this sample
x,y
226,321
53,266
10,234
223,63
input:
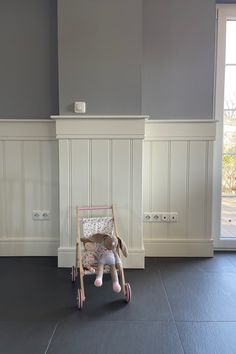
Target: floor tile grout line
x,y
50,340
172,315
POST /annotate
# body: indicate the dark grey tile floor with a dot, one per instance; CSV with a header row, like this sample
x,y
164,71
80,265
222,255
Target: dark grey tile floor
x,y
179,305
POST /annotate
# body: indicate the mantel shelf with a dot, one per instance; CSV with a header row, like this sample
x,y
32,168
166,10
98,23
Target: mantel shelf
x,y
100,127
99,117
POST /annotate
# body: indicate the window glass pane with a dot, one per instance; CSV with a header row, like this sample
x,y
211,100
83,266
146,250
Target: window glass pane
x,y
229,174
229,145
230,87
231,42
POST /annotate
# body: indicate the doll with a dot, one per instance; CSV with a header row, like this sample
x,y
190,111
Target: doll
x,y
107,255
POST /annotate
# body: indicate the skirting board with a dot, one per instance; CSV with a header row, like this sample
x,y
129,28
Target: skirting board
x,y
66,258
21,248
178,248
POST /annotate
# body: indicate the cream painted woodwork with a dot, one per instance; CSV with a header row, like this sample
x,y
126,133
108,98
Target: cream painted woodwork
x,y
101,164
106,166
178,160
28,181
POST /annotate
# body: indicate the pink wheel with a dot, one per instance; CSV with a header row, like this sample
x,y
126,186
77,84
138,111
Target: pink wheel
x,y
73,274
127,292
79,299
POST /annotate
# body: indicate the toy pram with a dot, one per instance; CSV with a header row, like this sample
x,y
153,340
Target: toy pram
x,y
103,242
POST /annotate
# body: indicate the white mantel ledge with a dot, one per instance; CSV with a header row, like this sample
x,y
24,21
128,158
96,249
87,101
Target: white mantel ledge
x,y
85,116
100,127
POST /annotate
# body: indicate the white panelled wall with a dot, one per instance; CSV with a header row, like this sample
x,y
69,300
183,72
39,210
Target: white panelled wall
x,y
178,178
100,163
28,181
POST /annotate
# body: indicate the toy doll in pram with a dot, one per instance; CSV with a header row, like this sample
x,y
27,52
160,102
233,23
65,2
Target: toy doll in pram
x,y
100,253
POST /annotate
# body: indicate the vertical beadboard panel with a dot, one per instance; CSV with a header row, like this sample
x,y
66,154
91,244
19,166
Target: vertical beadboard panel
x,y
159,184
28,181
178,179
100,173
81,178
65,192
14,188
147,181
49,187
197,189
33,185
209,188
3,229
179,157
178,187
121,185
136,186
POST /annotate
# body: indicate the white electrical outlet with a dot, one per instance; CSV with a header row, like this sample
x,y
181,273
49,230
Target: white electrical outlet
x,y
147,217
156,217
173,217
40,215
169,217
165,217
36,215
45,215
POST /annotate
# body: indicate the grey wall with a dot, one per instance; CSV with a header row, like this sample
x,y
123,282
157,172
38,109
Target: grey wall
x,y
28,59
100,55
178,47
121,57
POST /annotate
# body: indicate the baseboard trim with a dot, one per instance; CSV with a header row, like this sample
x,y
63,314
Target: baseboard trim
x,y
14,247
135,259
179,248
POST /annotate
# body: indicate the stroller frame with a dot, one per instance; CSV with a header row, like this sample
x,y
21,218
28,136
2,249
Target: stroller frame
x,y
125,287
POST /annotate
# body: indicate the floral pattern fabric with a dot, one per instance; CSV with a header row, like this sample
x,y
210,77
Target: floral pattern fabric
x,y
91,226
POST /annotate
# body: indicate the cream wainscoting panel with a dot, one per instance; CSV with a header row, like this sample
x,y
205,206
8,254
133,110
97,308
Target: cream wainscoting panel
x,y
178,159
28,181
101,164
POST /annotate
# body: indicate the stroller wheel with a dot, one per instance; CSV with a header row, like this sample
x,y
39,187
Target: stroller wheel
x,y
73,274
79,299
127,292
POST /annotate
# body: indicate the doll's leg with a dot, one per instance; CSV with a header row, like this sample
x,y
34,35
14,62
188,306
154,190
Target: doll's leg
x,y
98,281
115,280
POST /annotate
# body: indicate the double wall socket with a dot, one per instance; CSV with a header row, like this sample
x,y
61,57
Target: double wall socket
x,y
41,215
157,216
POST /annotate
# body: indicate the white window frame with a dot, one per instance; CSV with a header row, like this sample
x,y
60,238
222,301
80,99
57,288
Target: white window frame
x,y
223,13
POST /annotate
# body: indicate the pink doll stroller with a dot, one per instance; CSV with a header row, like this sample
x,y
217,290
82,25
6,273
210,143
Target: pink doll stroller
x,y
100,253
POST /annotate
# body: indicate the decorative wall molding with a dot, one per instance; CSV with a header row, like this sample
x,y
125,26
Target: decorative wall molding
x,y
178,248
27,129
180,130
25,247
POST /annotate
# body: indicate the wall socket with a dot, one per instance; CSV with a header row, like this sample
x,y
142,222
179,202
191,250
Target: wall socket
x,y
164,217
41,215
